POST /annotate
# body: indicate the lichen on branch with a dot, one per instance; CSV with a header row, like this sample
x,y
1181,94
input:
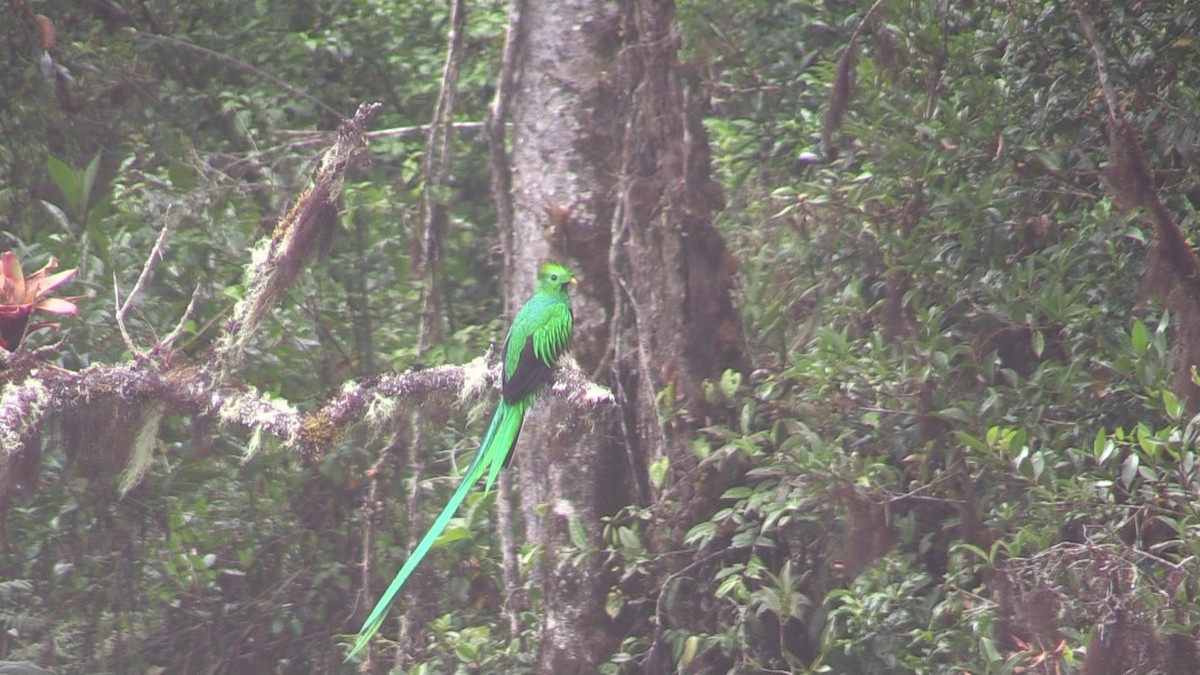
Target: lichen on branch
x,y
277,260
26,401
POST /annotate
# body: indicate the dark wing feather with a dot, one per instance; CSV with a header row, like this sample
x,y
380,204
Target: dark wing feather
x,y
531,373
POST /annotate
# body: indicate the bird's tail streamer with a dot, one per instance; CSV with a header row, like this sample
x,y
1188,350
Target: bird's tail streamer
x,y
497,443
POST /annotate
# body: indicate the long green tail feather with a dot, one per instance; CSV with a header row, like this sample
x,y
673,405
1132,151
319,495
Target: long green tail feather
x,y
497,443
502,436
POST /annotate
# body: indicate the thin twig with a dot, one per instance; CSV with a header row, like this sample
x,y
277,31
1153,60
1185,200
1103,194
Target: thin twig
x,y
369,509
155,253
437,175
1101,59
120,316
318,136
866,17
660,604
498,160
165,343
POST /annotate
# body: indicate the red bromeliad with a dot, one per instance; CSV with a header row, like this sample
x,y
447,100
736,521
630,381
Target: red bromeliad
x,y
21,295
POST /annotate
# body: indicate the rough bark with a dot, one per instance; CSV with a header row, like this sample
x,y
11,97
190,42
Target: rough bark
x,y
610,172
675,319
557,191
674,323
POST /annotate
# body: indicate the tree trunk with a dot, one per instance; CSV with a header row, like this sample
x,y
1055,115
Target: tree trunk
x,y
610,174
564,468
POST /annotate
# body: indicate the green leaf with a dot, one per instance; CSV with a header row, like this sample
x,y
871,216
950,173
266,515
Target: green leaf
x,y
1016,441
1037,462
731,380
88,183
65,178
1048,158
727,586
1139,337
746,418
453,534
182,175
972,548
970,441
1129,469
465,650
690,647
701,534
989,650
629,539
738,492
658,471
614,603
59,216
578,534
1172,406
953,415
1106,451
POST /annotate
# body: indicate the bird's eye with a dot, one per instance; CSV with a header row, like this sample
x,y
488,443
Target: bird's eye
x,y
553,277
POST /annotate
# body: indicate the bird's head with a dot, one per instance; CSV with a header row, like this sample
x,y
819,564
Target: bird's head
x,y
554,277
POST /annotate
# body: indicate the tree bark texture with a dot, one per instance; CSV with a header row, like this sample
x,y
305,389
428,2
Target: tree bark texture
x,y
610,173
565,468
672,275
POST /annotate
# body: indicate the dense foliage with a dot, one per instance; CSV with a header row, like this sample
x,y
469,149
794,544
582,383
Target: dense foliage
x,y
968,455
963,448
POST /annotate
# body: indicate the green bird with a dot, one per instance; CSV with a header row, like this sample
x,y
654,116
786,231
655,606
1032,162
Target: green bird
x,y
540,333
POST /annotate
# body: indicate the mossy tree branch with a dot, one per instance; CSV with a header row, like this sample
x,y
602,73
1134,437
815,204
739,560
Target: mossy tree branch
x,y
33,390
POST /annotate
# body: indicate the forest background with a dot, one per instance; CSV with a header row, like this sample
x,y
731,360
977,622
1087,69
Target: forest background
x,y
896,303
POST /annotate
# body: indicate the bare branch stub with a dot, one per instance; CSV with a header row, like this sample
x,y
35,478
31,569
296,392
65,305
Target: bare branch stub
x,y
278,261
155,253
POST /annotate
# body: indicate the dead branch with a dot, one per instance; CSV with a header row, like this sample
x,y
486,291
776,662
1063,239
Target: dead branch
x,y
843,84
498,160
169,339
299,138
155,253
277,261
437,176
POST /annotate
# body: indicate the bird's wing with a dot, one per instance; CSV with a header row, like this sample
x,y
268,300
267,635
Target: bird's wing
x,y
540,348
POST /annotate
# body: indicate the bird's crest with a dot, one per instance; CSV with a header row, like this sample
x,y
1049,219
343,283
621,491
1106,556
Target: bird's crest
x,y
554,276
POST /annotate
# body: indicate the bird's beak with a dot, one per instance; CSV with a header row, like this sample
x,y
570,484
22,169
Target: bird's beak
x,y
573,281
